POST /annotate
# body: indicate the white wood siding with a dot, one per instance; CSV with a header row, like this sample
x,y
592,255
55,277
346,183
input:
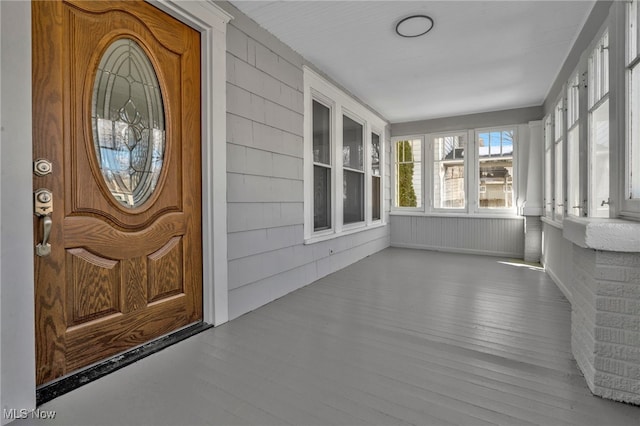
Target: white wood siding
x,y
497,237
265,184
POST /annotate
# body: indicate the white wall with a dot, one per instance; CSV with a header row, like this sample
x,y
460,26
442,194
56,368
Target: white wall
x,y
265,190
17,369
557,257
487,236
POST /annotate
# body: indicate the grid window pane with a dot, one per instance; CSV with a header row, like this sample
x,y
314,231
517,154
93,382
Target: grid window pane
x,y
352,152
408,173
353,197
449,172
321,198
321,133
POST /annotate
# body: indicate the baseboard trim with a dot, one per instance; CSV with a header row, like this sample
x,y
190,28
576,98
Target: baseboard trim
x,y
459,250
66,384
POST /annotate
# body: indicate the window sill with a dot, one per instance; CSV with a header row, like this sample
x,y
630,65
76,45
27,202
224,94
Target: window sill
x,y
551,222
617,235
510,216
344,232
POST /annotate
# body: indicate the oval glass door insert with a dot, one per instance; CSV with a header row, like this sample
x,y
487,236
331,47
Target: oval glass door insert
x,y
128,122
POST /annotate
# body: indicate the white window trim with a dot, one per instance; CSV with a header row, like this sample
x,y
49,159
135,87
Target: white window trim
x,y
392,165
471,208
318,88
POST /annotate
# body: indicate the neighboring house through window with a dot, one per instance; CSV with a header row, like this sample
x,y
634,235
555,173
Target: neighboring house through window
x,y
471,172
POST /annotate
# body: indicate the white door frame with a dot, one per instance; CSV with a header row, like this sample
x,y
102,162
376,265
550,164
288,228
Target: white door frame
x,y
17,324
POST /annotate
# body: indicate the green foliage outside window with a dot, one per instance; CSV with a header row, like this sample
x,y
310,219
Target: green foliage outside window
x,y
406,192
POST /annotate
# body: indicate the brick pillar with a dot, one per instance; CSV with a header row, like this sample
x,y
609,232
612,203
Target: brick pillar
x,y
605,322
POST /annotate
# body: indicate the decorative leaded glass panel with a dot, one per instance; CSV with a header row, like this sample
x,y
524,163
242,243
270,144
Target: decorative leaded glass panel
x,y
128,122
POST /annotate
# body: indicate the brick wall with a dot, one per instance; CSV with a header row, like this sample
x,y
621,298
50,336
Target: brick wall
x,y
606,322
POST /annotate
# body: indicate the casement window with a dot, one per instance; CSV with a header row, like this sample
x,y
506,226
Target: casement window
x,y
631,188
495,168
449,171
575,205
558,178
598,110
343,162
407,154
549,202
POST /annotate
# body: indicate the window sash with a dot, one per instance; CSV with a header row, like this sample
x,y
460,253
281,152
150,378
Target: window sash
x,y
376,196
558,181
548,167
495,169
449,190
408,174
574,203
632,185
599,160
322,195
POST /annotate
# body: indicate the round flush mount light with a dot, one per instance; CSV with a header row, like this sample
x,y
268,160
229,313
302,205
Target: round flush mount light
x,y
414,26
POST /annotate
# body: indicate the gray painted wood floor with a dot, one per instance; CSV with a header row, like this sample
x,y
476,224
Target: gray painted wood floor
x,y
402,337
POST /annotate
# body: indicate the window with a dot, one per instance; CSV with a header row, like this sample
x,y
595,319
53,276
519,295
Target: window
x,y
353,169
449,171
631,189
321,167
408,173
495,167
472,172
598,108
559,158
548,167
575,206
376,198
343,161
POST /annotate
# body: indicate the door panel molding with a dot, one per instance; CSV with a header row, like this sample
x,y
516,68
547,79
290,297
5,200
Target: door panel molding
x,y
17,372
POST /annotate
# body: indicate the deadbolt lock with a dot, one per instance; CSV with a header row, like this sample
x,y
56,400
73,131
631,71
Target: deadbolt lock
x,y
42,167
43,202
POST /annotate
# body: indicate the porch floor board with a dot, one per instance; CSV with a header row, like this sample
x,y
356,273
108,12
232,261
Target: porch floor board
x,y
403,337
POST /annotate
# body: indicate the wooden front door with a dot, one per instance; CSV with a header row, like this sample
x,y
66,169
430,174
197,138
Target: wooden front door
x,y
116,111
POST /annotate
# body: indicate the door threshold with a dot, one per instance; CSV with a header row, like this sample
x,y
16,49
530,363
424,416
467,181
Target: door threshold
x,y
49,391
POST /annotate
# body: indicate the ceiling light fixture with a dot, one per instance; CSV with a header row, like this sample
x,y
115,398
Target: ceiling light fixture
x,y
414,26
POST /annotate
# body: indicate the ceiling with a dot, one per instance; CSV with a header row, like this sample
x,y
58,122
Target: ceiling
x,y
480,55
